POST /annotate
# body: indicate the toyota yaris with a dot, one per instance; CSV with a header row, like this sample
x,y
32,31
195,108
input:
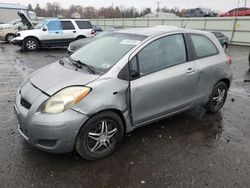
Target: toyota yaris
x,y
119,82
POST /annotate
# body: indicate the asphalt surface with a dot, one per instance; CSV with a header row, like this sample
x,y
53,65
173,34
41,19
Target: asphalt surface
x,y
193,149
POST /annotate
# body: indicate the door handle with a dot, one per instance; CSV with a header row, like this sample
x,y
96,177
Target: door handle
x,y
74,31
190,70
56,32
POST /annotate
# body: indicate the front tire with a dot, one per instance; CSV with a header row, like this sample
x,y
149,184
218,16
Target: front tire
x,y
31,44
9,37
217,98
100,136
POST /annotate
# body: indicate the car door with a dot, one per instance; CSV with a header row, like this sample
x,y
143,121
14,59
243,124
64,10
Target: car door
x,y
51,33
163,80
69,31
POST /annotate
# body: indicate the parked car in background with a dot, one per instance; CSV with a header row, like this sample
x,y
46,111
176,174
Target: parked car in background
x,y
54,32
200,12
243,11
97,28
117,83
224,40
8,31
77,44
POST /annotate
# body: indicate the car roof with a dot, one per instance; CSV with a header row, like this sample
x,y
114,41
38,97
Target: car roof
x,y
158,30
150,31
74,19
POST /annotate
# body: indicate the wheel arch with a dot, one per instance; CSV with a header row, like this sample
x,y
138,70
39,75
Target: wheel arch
x,y
117,112
226,81
5,37
80,37
39,42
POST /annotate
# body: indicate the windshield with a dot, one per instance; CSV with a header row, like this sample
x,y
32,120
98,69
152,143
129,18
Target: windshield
x,y
13,22
41,24
107,50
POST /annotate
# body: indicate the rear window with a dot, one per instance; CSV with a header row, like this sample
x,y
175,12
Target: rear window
x,y
203,46
243,9
67,25
84,25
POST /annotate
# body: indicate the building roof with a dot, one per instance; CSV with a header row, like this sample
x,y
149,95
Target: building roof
x,y
12,6
160,15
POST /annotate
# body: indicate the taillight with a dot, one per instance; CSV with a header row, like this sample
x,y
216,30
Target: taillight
x,y
229,60
93,32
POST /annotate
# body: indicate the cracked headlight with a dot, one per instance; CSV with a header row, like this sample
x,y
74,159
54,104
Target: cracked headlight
x,y
65,99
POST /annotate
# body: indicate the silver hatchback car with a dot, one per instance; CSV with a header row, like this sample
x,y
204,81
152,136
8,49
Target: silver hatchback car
x,y
119,82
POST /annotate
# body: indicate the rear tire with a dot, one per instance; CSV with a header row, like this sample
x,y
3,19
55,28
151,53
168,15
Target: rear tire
x,y
100,136
217,98
9,37
30,44
224,46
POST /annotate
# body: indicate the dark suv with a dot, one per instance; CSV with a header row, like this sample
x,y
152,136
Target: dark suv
x,y
199,12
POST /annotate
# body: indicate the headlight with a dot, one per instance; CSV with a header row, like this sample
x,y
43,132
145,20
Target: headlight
x,y
72,47
65,99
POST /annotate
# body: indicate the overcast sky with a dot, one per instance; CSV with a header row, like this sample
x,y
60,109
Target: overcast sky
x,y
220,5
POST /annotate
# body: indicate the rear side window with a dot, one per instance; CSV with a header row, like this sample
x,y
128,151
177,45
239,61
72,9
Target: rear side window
x,y
67,25
84,25
203,46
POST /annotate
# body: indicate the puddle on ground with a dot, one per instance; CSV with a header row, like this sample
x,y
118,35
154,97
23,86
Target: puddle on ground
x,y
196,137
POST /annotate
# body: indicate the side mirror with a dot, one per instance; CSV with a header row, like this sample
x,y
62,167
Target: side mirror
x,y
45,28
134,74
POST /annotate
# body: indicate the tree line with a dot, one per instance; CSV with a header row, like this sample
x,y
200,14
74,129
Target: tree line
x,y
78,11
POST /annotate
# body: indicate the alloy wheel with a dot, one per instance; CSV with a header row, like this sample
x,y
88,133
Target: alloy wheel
x,y
31,44
219,98
102,137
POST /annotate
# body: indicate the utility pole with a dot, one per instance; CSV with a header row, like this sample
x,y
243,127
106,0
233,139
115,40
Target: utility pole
x,y
245,3
158,8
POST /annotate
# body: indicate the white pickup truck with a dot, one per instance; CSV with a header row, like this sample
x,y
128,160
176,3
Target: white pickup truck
x,y
54,32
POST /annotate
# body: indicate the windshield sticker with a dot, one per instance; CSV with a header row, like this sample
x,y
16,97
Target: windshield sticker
x,y
130,42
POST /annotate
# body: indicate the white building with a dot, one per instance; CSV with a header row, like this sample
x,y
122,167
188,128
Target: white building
x,y
8,11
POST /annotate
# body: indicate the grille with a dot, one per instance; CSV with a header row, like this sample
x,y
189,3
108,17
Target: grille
x,y
25,104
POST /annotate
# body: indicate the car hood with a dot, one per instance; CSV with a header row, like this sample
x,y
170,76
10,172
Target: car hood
x,y
5,26
55,77
28,32
26,21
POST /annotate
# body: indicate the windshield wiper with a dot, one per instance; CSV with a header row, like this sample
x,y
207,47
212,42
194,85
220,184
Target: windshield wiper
x,y
90,68
79,65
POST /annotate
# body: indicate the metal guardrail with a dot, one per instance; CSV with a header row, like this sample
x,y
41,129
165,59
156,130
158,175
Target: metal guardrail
x,y
236,28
